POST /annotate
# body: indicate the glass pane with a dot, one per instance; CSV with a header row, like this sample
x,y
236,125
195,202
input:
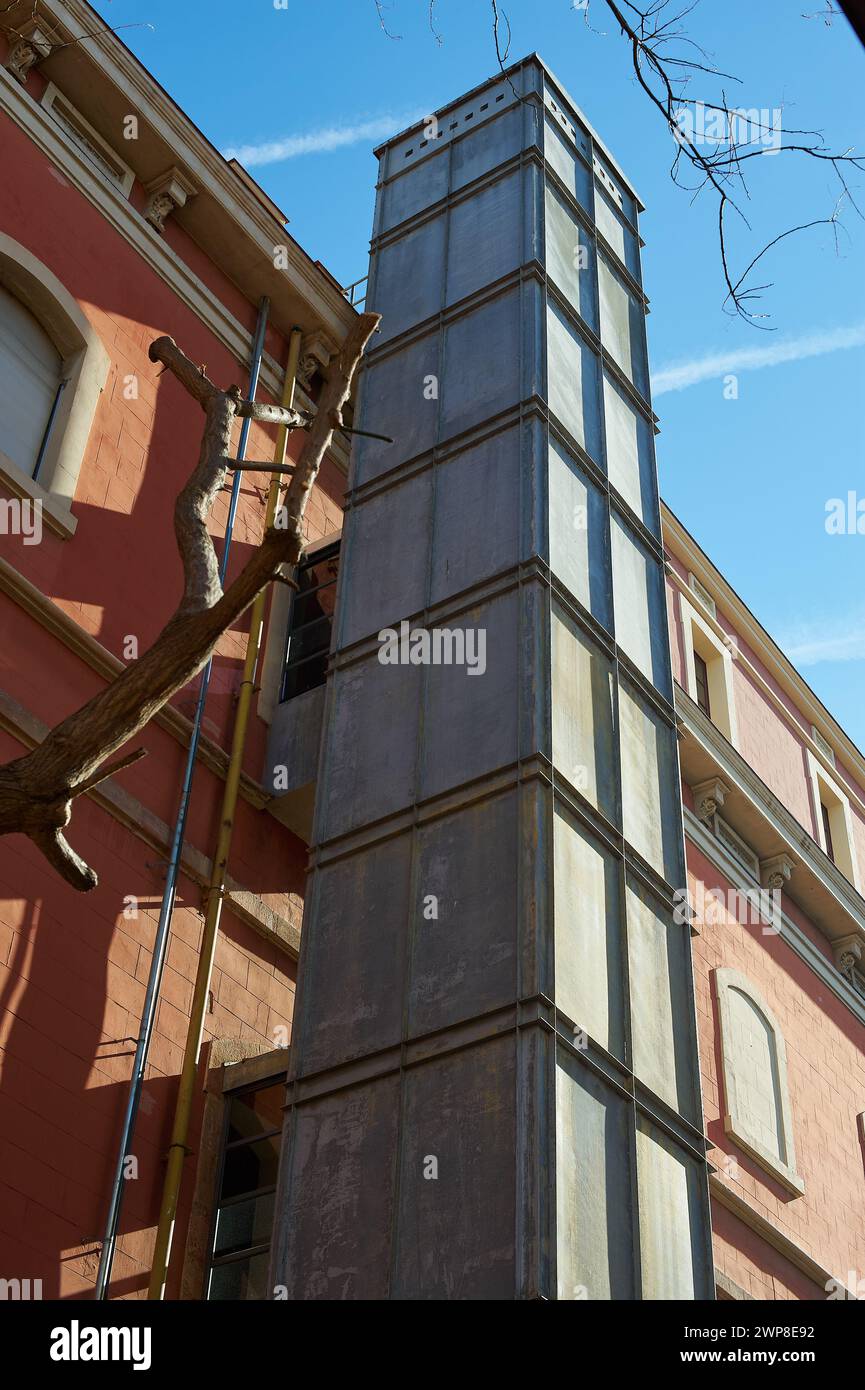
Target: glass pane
x,y
312,639
256,1112
244,1224
307,675
240,1280
250,1167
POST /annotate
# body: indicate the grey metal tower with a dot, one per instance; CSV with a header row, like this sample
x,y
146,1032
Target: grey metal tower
x,y
494,1084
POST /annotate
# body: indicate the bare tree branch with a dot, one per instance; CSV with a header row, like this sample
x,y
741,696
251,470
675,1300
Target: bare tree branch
x,y
37,790
665,78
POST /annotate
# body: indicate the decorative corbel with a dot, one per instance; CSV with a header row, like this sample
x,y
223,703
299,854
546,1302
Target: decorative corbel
x,y
709,797
776,872
29,50
315,352
847,951
167,193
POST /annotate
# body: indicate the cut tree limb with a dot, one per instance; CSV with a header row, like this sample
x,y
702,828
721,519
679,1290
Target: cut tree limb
x,y
37,790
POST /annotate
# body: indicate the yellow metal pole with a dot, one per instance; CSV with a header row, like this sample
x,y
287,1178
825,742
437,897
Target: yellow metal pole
x,y
177,1150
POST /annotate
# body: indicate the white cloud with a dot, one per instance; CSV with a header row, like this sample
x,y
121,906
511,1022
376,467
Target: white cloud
x,y
677,376
321,141
809,644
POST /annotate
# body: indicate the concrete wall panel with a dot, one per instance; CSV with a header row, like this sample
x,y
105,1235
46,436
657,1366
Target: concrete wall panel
x,y
459,1111
334,1242
408,278
464,958
477,515
370,758
471,720
389,536
479,383
354,1016
485,237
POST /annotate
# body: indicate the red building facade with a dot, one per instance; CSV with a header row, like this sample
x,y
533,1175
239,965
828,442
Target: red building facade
x,y
105,244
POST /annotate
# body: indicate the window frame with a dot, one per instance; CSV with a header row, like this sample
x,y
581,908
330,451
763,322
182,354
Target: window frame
x,y
826,791
314,556
214,1261
701,638
85,365
734,1122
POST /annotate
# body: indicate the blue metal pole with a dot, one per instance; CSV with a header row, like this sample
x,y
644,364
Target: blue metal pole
x,y
160,945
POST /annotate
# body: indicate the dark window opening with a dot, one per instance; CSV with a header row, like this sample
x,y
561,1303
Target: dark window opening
x,y
310,622
827,832
701,673
240,1242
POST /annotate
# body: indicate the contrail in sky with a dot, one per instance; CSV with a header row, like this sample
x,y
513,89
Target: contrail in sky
x,y
677,376
322,141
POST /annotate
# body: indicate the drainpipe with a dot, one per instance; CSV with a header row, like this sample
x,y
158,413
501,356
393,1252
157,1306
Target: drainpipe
x,y
160,944
178,1150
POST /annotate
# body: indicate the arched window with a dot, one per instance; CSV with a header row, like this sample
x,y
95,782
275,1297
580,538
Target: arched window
x,y
754,1057
31,376
53,368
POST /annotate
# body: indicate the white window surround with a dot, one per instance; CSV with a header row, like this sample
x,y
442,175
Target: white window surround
x,y
701,638
825,790
85,365
737,1071
81,132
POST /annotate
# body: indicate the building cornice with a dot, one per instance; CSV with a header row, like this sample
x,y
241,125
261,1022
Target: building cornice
x,y
829,900
209,169
713,849
682,544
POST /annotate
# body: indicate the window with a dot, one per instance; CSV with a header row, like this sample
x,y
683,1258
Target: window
x,y
708,675
53,368
827,831
310,622
31,369
833,820
754,1073
240,1242
701,675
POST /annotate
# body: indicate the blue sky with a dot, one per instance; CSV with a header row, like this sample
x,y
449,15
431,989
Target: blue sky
x,y
321,83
